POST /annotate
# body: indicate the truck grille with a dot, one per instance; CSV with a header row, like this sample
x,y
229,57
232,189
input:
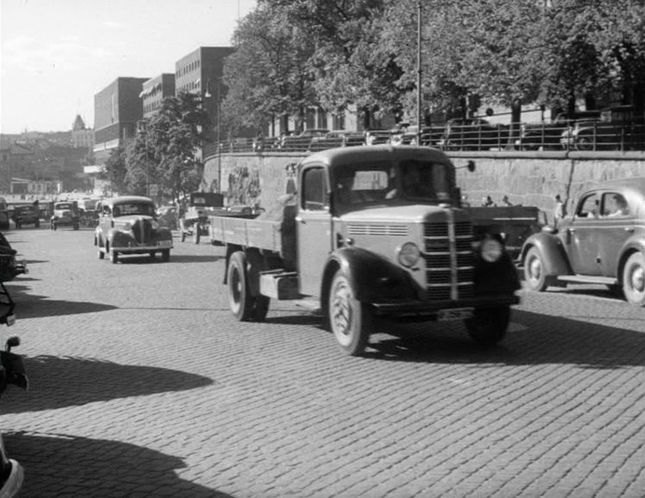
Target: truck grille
x,y
449,260
142,231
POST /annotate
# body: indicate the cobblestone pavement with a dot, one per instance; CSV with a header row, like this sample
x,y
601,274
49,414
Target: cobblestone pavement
x,y
142,384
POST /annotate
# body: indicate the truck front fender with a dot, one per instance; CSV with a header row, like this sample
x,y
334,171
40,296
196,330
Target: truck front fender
x,y
554,256
372,276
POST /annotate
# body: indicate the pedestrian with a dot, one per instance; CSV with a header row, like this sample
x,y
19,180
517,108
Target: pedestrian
x,y
488,201
559,211
506,202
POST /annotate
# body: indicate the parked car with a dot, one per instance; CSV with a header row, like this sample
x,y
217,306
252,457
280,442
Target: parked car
x,y
128,225
168,216
302,141
377,137
26,214
336,138
430,136
602,241
65,214
473,134
546,135
617,128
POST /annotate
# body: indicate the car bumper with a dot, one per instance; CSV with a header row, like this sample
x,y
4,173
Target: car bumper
x,y
135,248
436,310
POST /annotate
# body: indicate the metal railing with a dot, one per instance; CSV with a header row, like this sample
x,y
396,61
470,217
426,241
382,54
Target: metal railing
x,y
583,135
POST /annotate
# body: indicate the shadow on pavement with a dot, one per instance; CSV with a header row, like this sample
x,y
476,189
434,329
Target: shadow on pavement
x,y
57,465
174,258
543,340
35,306
56,382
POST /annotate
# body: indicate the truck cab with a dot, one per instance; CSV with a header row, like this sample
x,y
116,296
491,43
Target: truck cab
x,y
380,231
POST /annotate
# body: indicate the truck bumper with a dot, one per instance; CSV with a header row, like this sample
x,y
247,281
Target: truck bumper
x,y
434,310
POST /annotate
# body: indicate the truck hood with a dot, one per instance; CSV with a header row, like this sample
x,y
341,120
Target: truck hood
x,y
408,213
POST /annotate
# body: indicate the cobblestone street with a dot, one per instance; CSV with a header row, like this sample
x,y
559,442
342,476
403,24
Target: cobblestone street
x,y
143,384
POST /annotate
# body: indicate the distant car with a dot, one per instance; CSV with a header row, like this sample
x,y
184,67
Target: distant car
x,y
65,214
26,214
617,128
473,134
167,216
377,137
128,225
302,141
602,242
546,135
430,136
337,138
194,221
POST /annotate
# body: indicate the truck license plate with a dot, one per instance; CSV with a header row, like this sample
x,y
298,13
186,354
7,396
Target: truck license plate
x,y
455,314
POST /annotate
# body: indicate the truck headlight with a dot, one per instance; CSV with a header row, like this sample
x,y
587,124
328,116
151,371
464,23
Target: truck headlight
x,y
409,254
491,250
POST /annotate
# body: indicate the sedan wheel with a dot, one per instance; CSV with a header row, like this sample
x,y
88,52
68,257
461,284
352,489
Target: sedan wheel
x,y
114,256
634,279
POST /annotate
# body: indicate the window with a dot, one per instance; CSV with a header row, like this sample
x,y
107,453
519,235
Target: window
x,y
614,205
314,187
589,206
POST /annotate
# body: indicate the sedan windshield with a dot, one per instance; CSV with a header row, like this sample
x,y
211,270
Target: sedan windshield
x,y
133,208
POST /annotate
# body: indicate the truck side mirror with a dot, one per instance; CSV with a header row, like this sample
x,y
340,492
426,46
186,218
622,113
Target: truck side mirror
x,y
470,165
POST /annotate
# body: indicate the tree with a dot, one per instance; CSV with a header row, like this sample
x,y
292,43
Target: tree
x,y
115,170
268,74
164,152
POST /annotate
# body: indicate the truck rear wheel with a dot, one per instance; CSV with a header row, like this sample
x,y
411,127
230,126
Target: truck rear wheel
x,y
245,307
349,319
488,325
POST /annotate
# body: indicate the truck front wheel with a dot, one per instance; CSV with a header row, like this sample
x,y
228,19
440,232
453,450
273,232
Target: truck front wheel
x,y
488,325
350,320
245,307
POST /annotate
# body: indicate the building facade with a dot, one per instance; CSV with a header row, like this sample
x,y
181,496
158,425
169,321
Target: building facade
x,y
82,137
117,109
154,91
200,72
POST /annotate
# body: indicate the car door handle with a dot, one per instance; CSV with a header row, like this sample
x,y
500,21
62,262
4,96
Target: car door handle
x,y
628,229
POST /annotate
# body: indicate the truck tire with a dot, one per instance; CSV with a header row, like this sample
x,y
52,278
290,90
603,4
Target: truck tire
x,y
349,319
488,325
534,270
634,279
245,307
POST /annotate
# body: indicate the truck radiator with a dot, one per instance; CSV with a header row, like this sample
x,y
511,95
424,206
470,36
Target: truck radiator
x,y
449,260
142,231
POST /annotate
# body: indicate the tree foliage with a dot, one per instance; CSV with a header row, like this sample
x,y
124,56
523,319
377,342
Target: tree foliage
x,y
337,53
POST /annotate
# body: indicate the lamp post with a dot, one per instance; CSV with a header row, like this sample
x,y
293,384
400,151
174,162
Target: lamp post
x,y
419,72
142,128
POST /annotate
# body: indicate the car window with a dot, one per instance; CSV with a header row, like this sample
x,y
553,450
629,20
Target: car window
x,y
614,205
589,206
133,208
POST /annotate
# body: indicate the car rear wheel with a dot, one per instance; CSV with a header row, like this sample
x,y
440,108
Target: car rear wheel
x,y
584,143
534,273
634,279
488,325
349,319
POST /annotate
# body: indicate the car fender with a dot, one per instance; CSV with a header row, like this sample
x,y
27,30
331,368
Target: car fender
x,y
555,259
372,276
635,243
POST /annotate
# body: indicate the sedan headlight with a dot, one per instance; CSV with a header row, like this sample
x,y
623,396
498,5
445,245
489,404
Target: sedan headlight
x,y
491,250
154,224
409,254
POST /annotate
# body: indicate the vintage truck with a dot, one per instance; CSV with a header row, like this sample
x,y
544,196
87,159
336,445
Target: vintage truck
x,y
359,241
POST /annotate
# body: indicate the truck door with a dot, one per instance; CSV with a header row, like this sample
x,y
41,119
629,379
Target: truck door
x,y
313,228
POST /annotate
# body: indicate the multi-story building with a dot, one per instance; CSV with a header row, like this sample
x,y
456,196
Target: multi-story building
x,y
155,90
117,109
200,72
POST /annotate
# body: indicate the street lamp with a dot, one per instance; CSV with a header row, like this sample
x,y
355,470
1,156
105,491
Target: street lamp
x,y
419,72
142,128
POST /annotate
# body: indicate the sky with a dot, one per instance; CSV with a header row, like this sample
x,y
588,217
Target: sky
x,y
55,55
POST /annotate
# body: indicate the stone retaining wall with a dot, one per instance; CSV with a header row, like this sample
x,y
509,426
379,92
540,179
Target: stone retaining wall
x,y
261,178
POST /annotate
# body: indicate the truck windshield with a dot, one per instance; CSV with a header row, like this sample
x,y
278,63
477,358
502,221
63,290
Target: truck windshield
x,y
409,180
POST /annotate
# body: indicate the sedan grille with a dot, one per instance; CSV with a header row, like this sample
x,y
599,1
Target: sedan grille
x,y
449,260
142,231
